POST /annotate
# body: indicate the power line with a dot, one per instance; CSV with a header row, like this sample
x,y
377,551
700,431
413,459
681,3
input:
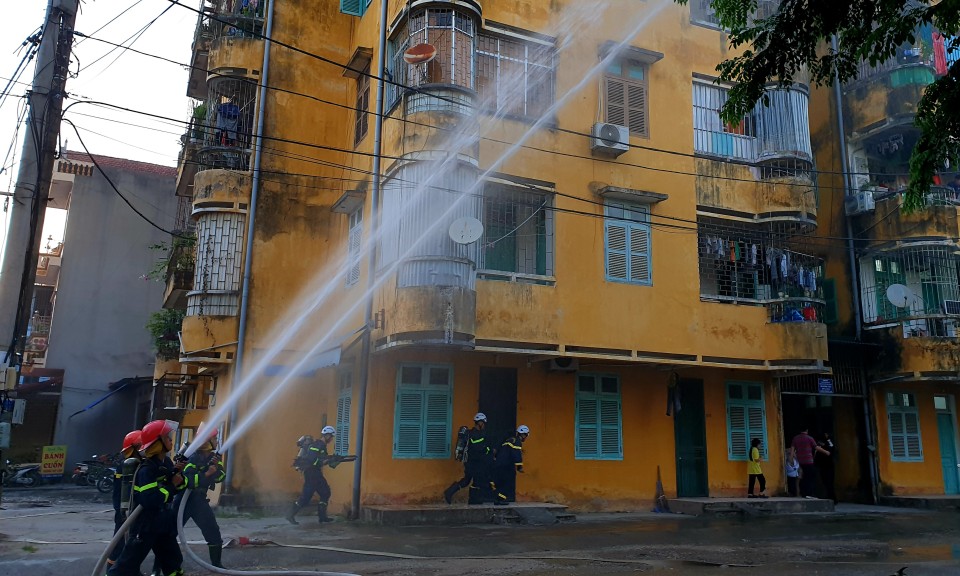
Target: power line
x,y
135,36
117,190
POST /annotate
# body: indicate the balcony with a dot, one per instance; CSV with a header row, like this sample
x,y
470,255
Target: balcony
x,y
188,162
202,38
180,272
752,265
911,292
175,394
209,339
940,217
228,126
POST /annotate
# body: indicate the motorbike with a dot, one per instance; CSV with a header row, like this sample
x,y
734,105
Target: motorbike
x,y
26,475
96,472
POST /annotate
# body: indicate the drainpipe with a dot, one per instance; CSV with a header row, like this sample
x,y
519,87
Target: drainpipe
x,y
364,375
845,168
251,217
854,283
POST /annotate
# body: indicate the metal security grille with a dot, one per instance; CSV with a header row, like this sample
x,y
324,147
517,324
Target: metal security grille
x,y
184,221
702,12
451,33
712,136
216,283
514,77
241,18
848,379
517,231
758,265
916,286
231,112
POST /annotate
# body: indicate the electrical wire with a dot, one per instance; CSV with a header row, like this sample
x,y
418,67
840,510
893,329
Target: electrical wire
x,y
93,159
114,19
135,36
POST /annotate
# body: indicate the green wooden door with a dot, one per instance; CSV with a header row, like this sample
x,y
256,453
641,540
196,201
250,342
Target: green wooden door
x,y
948,453
690,431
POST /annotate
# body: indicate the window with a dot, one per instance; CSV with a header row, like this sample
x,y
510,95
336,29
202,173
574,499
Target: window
x,y
354,241
423,411
363,106
514,77
903,421
830,315
344,399
354,7
517,230
627,241
625,89
713,137
746,419
598,417
701,12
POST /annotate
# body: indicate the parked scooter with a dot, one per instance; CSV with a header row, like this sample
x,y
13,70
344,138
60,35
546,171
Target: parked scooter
x,y
25,475
95,472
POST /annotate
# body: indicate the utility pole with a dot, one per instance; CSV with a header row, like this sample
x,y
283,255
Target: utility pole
x,y
18,271
45,104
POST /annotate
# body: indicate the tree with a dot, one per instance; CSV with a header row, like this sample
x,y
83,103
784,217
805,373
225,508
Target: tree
x,y
798,36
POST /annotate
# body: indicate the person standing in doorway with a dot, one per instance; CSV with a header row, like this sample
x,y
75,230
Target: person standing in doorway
x,y
792,470
509,462
826,465
310,460
754,471
806,447
476,464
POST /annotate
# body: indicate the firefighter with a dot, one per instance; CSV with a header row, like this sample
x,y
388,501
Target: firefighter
x,y
476,464
155,485
310,460
203,472
131,444
509,461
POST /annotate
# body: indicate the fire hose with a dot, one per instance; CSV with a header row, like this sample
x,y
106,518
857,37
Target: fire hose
x,y
207,566
121,533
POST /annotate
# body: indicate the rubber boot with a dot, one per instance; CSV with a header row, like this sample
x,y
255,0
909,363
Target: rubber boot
x,y
292,512
322,513
216,553
449,492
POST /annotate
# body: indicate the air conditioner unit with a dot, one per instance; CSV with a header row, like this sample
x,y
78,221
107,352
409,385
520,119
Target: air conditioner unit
x,y
564,364
951,307
859,202
610,139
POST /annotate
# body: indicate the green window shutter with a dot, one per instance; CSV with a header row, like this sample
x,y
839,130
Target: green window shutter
x,y
436,432
906,444
598,425
354,7
746,419
639,253
423,411
830,314
616,248
406,435
344,401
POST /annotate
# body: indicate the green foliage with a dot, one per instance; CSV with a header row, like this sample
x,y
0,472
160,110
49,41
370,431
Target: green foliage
x,y
178,256
798,36
164,326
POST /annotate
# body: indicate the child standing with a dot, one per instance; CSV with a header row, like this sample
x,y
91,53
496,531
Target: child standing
x,y
792,469
754,471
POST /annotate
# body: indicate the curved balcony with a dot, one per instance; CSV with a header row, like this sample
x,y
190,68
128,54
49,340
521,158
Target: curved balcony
x,y
209,340
231,109
886,223
221,190
885,97
235,56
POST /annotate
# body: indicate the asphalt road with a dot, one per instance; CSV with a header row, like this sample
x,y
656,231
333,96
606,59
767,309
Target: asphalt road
x,y
61,531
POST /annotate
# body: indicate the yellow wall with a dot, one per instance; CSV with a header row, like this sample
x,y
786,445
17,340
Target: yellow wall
x,y
908,478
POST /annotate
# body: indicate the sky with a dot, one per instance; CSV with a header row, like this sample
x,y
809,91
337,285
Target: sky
x,y
132,81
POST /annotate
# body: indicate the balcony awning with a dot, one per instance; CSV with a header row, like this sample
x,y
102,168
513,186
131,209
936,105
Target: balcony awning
x,y
308,368
114,388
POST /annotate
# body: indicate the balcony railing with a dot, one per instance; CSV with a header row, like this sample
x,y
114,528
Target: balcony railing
x,y
241,18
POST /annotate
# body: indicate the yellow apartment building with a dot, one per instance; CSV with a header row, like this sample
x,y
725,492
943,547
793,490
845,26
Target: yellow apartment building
x,y
905,267
565,236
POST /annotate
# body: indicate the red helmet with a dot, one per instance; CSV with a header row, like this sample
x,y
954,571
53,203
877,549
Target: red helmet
x,y
154,430
131,440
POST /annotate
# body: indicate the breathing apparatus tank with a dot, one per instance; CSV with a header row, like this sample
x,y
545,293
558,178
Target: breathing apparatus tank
x,y
129,469
462,437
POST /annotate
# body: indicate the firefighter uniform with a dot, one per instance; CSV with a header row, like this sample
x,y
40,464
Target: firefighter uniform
x,y
198,506
119,514
476,468
156,527
310,461
509,461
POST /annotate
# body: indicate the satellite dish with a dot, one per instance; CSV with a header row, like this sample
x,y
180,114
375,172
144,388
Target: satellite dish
x,y
466,230
419,54
899,295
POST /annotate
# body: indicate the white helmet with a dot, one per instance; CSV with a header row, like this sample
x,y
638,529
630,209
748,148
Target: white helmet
x,y
329,430
523,429
480,416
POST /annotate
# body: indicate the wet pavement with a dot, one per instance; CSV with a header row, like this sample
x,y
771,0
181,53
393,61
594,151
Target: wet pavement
x,y
60,531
